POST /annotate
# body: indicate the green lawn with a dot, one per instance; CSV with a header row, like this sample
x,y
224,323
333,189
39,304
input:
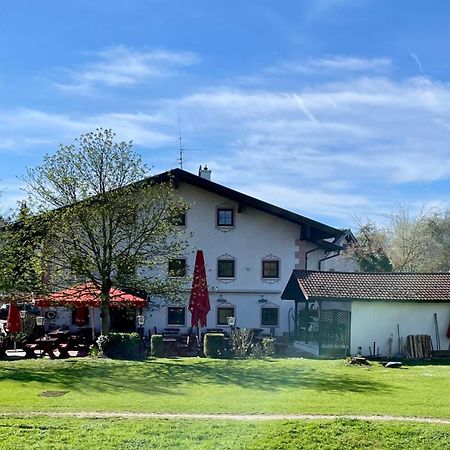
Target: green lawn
x,y
217,386
48,433
220,386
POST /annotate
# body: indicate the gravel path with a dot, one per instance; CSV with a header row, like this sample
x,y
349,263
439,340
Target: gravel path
x,y
237,417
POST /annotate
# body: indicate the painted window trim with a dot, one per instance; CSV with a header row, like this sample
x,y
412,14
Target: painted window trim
x,y
224,307
225,258
278,316
270,259
225,208
175,324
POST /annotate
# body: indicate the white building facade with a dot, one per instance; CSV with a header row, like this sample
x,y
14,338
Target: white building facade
x,y
250,248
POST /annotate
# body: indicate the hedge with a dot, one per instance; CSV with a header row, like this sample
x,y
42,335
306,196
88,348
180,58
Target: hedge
x,y
156,346
120,345
214,345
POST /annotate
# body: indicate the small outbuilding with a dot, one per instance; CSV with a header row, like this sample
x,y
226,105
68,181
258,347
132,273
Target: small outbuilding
x,y
343,313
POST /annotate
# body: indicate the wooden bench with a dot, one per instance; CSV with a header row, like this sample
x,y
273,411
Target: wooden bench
x,y
63,350
29,350
83,349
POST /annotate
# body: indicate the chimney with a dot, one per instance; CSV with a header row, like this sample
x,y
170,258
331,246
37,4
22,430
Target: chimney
x,y
204,173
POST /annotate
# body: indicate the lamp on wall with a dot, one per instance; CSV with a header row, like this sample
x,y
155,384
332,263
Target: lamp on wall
x,y
262,299
140,320
40,321
23,312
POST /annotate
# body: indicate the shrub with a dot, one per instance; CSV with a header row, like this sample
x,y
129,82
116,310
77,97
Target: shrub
x,y
268,345
241,342
119,345
214,345
157,346
264,349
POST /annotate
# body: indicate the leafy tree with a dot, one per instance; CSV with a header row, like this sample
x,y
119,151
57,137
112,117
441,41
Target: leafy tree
x,y
20,268
105,222
370,251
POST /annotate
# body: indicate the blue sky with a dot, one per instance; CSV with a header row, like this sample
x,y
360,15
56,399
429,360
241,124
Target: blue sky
x,y
331,108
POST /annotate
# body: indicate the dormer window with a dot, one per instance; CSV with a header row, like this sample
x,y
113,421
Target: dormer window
x,y
225,217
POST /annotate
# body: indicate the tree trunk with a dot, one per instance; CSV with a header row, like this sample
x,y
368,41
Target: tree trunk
x,y
106,321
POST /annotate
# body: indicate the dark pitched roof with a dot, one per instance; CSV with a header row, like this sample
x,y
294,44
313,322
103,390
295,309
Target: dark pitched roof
x,y
423,287
311,230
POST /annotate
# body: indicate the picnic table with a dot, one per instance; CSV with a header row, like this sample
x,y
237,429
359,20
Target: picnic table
x,y
47,345
61,335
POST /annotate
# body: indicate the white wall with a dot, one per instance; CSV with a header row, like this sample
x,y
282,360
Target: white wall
x,y
376,321
247,313
339,264
256,235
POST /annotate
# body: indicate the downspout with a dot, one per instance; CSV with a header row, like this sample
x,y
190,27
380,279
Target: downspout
x,y
328,257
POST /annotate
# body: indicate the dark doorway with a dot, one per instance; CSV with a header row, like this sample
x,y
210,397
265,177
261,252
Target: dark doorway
x,y
123,320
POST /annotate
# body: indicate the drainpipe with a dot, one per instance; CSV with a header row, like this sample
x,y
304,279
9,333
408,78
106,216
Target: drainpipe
x,y
328,257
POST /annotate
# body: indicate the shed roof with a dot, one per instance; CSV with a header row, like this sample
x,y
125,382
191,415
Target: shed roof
x,y
309,285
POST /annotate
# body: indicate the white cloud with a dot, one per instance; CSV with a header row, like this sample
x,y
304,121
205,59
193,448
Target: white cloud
x,y
339,149
333,64
124,66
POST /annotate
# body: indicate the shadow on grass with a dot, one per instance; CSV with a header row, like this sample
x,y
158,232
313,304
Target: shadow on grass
x,y
175,376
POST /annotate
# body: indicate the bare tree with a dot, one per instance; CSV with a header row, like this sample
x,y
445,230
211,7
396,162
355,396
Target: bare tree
x,y
408,240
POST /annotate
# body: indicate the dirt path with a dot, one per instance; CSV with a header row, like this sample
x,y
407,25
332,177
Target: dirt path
x,y
237,417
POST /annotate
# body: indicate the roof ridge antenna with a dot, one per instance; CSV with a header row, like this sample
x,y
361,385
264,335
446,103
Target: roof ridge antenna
x,y
181,148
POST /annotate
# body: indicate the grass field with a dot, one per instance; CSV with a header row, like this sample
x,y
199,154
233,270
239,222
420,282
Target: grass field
x,y
218,386
50,433
215,386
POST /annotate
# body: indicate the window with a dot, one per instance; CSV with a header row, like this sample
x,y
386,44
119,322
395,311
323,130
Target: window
x,y
177,267
269,317
176,315
225,217
271,269
179,219
223,313
225,268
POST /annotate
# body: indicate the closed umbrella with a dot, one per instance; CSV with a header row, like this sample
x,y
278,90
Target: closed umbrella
x,y
199,298
80,315
13,323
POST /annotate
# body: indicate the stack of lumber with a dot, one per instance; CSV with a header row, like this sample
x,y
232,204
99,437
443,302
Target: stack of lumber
x,y
418,346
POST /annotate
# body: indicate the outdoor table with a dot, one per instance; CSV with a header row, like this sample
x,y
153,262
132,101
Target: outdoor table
x,y
59,334
47,345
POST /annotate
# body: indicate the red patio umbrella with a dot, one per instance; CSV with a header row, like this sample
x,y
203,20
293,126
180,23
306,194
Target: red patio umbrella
x,y
13,323
88,295
199,298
